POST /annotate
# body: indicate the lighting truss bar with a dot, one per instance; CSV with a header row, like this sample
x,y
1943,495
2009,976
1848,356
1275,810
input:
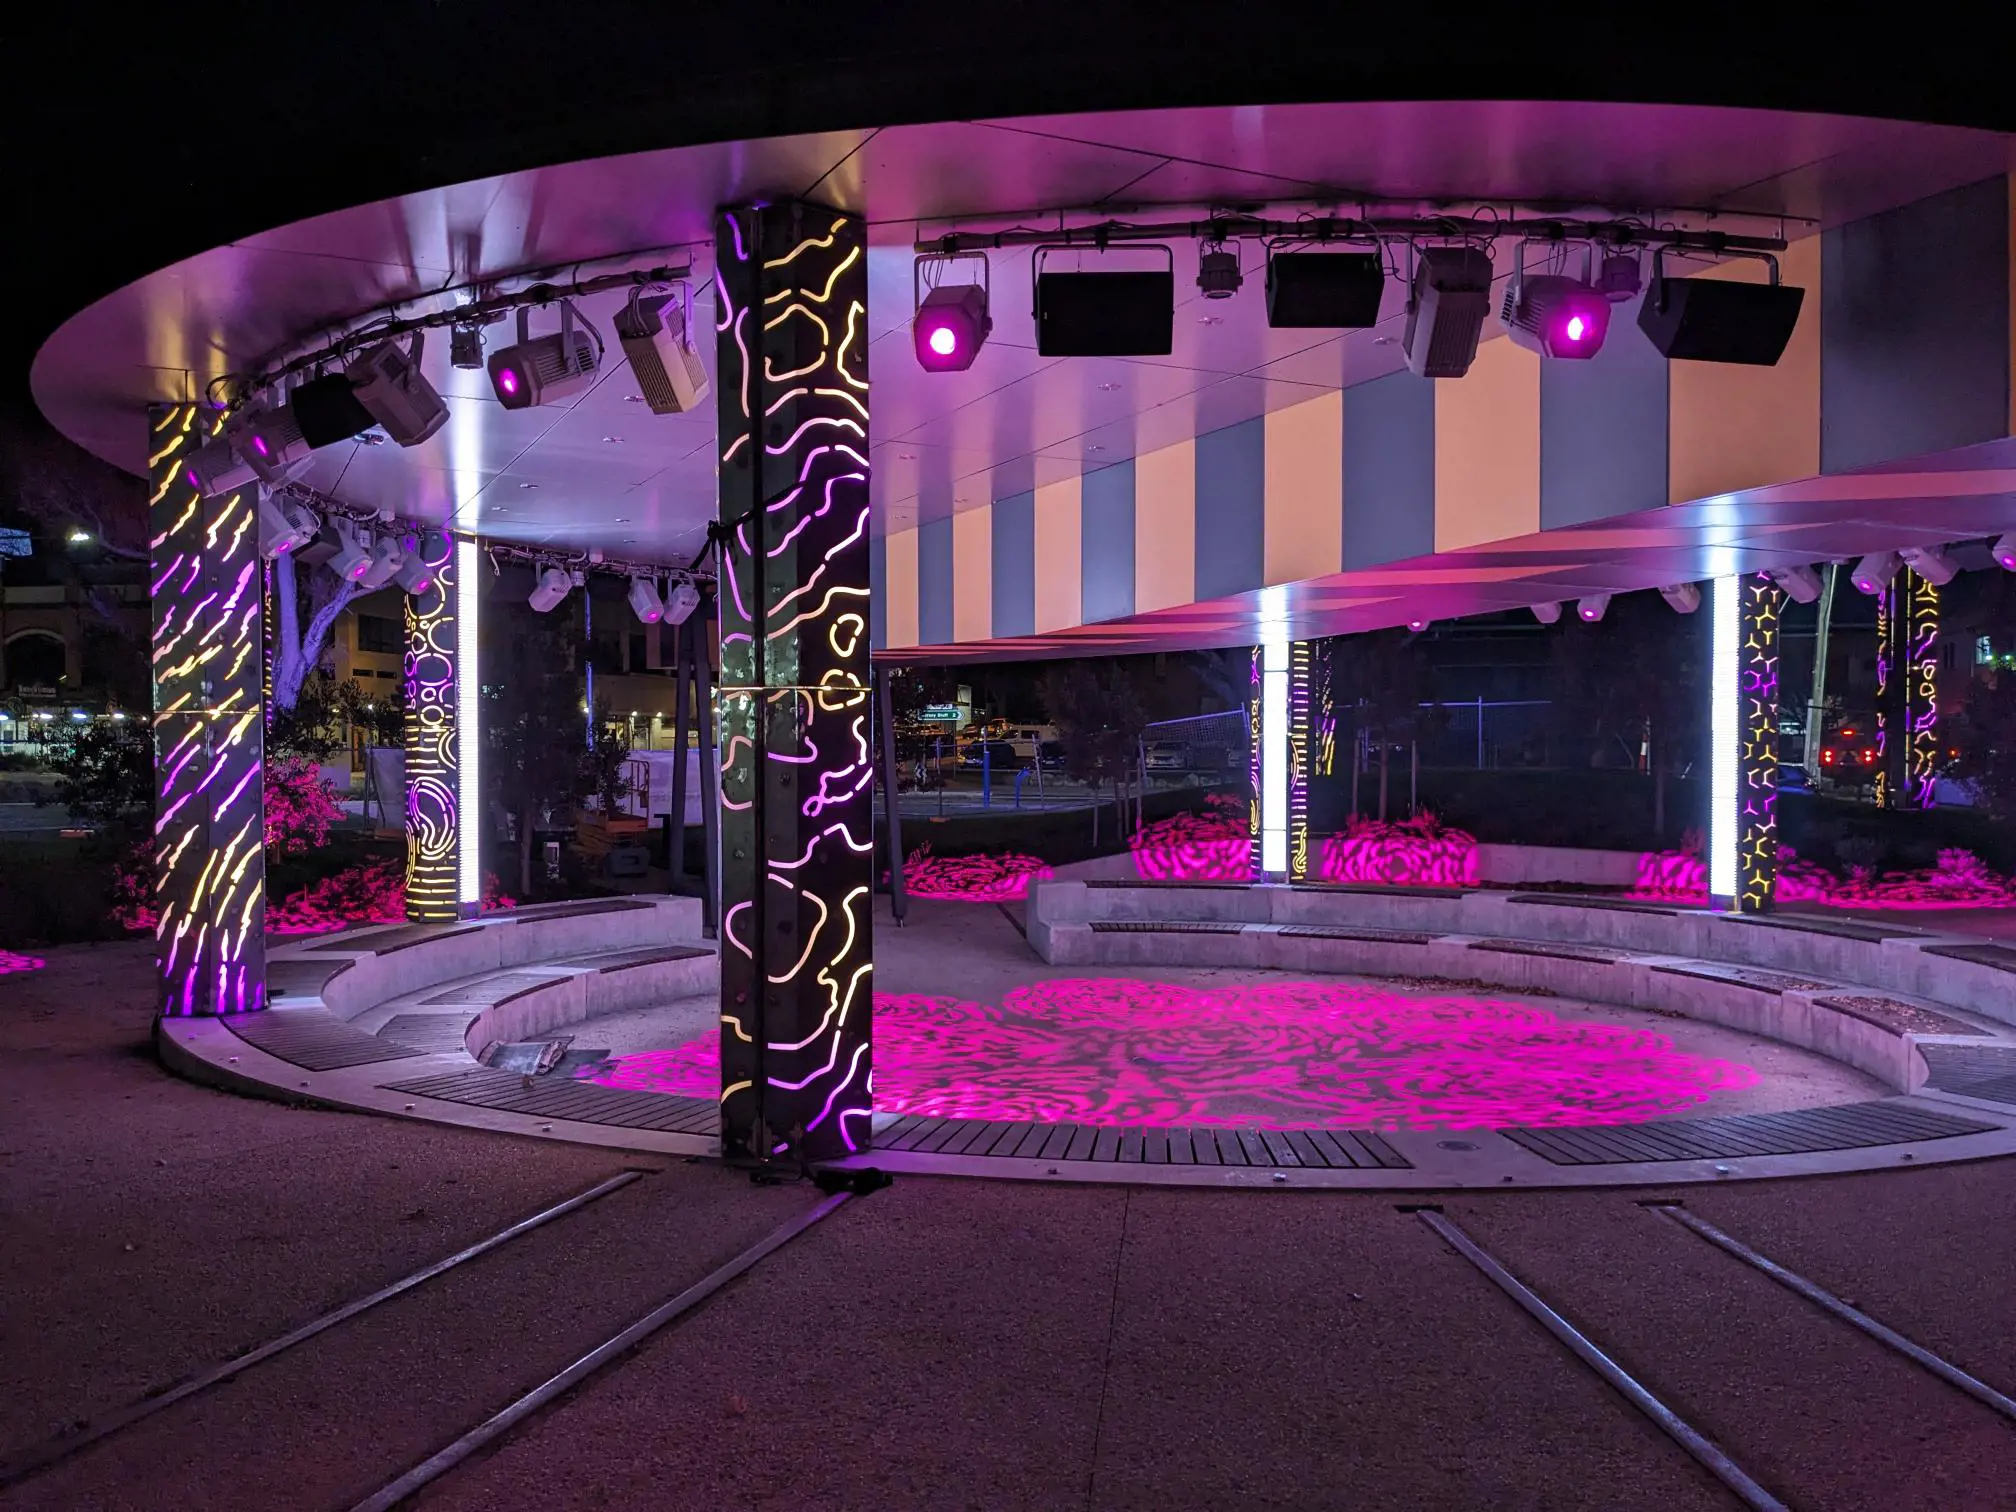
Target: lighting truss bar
x,y
545,556
1102,234
370,332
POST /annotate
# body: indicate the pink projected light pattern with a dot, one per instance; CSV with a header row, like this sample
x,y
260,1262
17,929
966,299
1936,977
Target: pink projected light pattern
x,y
971,879
1215,847
1960,880
13,961
1334,1055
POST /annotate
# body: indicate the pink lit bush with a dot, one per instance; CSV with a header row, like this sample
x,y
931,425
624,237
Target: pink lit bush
x,y
1417,852
12,961
300,805
373,892
1114,1052
1214,846
971,879
1960,879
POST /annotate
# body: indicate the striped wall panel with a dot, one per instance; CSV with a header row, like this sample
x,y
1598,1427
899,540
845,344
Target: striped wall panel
x,y
1886,363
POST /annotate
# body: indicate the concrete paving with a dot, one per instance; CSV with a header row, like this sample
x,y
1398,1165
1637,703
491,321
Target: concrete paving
x,y
941,1344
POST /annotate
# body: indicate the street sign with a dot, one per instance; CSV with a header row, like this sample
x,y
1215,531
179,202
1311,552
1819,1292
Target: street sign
x,y
941,714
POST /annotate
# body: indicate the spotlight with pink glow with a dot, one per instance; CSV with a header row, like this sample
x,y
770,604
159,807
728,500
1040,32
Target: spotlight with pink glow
x,y
1556,316
951,325
1113,1052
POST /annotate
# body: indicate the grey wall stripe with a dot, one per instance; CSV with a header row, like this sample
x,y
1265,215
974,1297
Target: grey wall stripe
x,y
1389,470
1015,565
1603,429
878,590
1914,331
934,582
1231,509
1106,543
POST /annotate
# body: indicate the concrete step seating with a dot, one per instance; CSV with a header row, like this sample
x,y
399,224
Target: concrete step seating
x,y
1898,1003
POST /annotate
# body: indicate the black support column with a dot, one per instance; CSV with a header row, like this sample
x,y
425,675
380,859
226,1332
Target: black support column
x,y
797,836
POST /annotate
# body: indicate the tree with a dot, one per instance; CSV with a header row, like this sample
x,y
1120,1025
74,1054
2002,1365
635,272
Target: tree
x,y
601,765
1385,678
1985,737
302,621
1100,713
107,769
1638,680
533,731
59,487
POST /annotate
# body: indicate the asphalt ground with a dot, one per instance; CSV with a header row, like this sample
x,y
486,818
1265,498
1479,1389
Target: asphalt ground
x,y
940,1344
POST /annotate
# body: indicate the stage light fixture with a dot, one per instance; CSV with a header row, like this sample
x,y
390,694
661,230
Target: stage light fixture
x,y
465,346
1930,563
1548,613
1873,573
1718,320
284,526
1554,315
386,380
1417,625
328,411
1218,274
551,591
1593,608
541,370
387,557
656,333
351,561
644,601
949,322
215,468
1617,280
415,576
270,442
1682,598
1324,290
1125,314
1446,306
681,602
2004,550
1801,584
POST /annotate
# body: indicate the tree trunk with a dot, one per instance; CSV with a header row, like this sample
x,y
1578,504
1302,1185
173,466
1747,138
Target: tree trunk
x,y
1659,793
1384,756
525,852
1357,766
1095,818
1413,777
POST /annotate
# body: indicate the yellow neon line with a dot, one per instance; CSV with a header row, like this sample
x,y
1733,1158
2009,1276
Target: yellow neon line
x,y
827,293
807,245
825,331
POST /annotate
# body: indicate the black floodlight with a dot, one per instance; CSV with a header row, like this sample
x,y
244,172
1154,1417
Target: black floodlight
x,y
1717,320
1327,290
1124,314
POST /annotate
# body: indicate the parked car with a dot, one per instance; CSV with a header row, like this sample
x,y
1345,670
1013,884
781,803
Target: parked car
x,y
1167,756
999,754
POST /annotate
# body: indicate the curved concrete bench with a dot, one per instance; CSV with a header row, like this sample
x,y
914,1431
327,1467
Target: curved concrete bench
x,y
1816,983
358,1015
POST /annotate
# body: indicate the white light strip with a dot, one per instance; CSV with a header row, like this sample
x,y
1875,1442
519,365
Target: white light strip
x,y
468,732
1273,751
1725,723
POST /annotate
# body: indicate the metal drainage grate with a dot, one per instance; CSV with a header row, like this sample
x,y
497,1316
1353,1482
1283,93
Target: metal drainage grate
x,y
1597,955
385,941
575,1101
1848,1126
1270,1149
1338,932
1777,983
301,978
1984,1071
1150,926
1845,929
314,1039
436,1033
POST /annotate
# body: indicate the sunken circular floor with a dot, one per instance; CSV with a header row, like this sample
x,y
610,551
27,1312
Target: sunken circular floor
x,y
971,1026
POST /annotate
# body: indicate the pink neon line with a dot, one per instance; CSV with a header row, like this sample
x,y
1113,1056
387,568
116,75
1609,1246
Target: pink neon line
x,y
845,1082
792,439
155,591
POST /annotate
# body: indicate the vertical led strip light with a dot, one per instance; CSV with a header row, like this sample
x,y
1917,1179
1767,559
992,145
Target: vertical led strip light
x,y
468,733
1725,738
434,680
1889,630
1273,735
1301,755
